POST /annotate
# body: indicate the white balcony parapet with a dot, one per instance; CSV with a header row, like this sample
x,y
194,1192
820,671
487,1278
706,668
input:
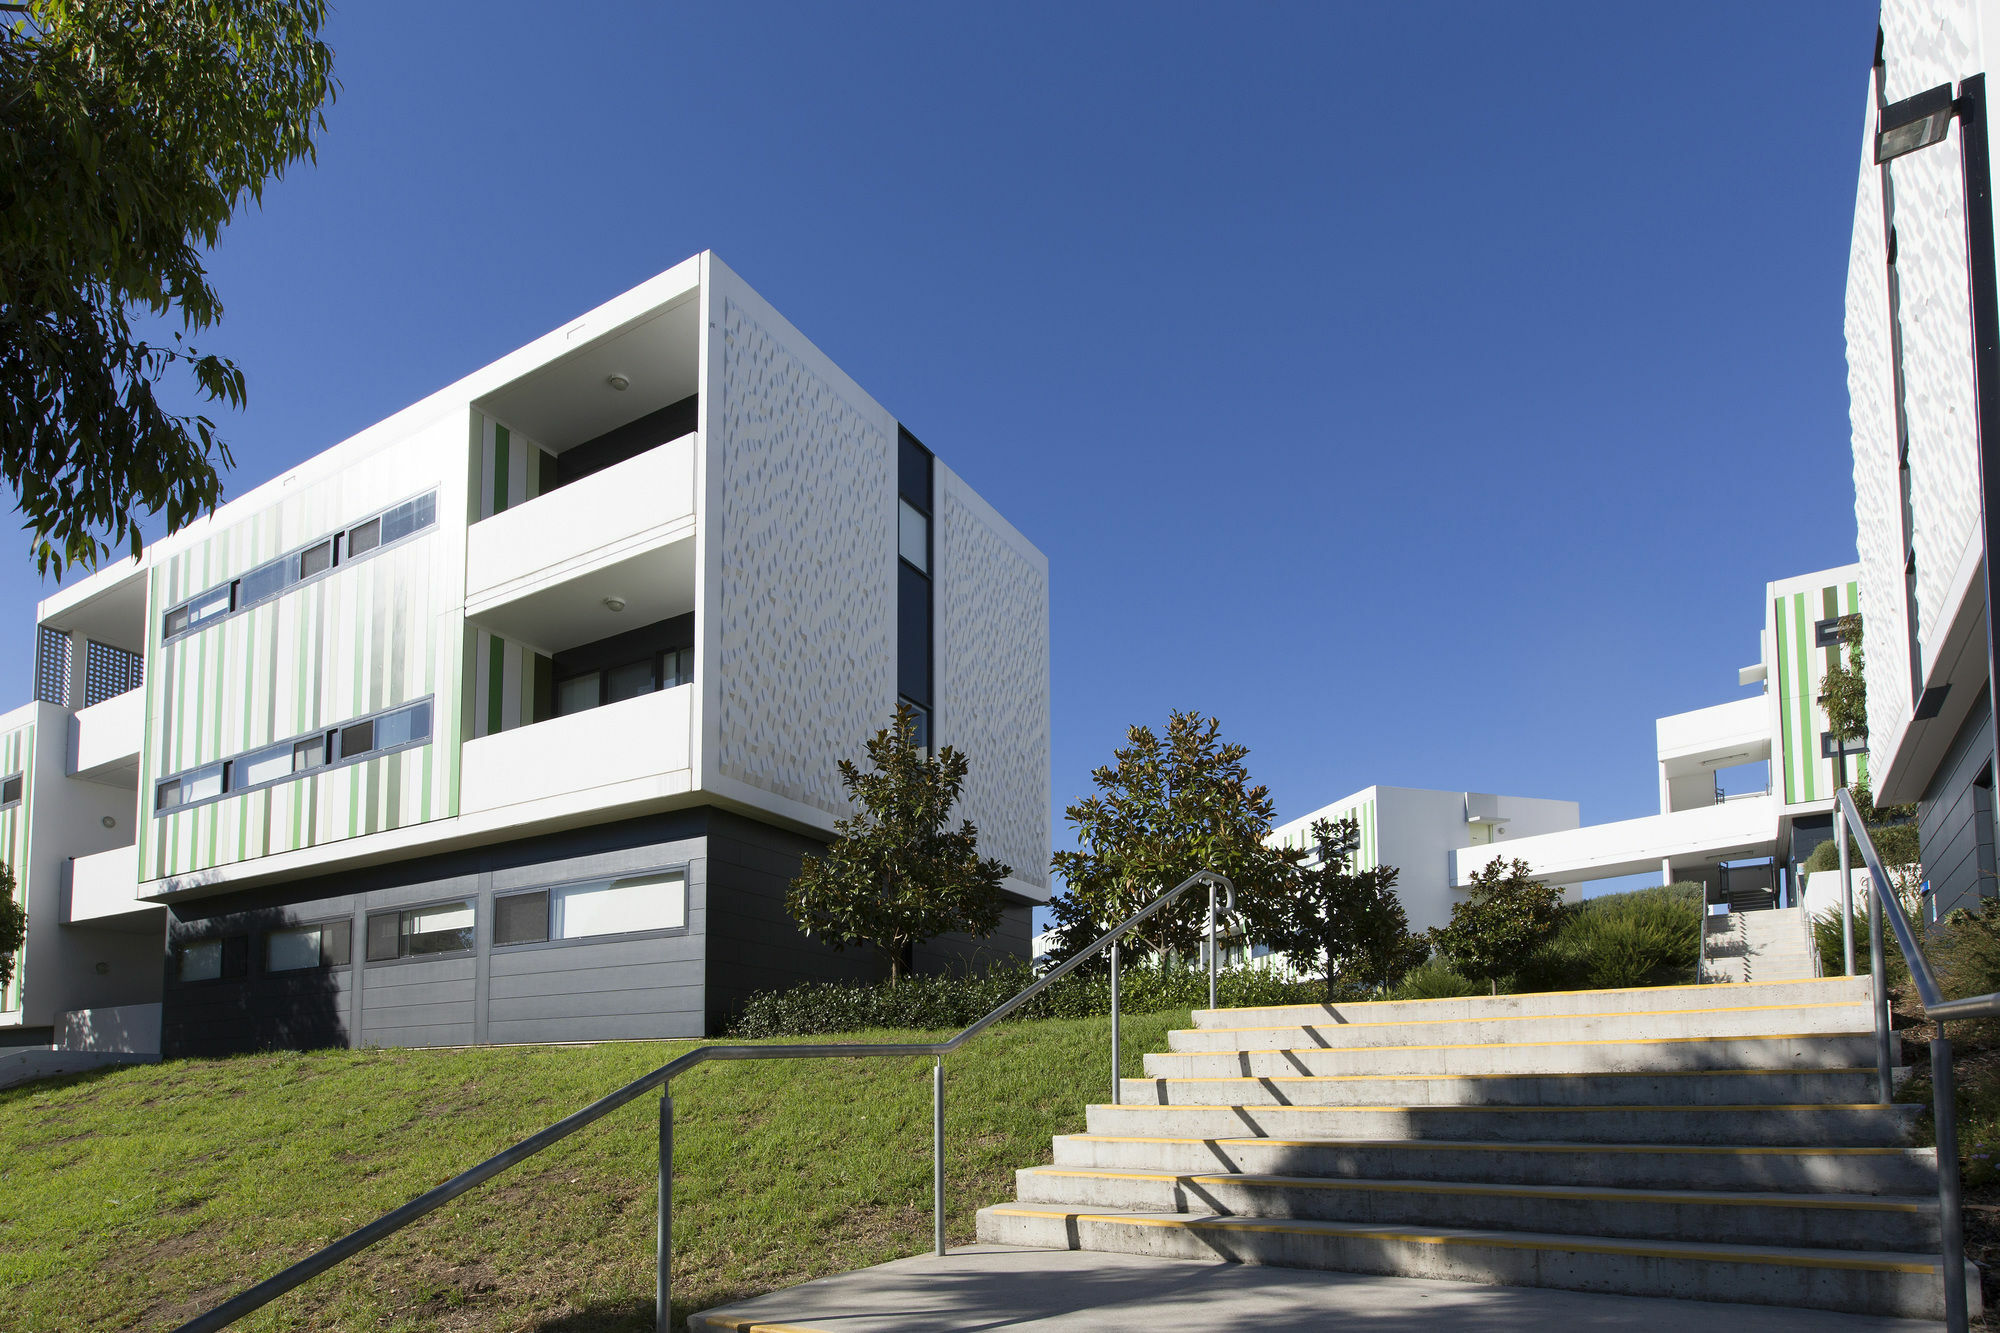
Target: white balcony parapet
x,y
1634,846
1741,727
104,738
533,569
631,753
105,886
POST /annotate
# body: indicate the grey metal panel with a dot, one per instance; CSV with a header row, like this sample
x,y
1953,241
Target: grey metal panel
x,y
593,1004
609,951
1957,840
685,973
593,865
627,1027
429,1011
440,1034
378,998
388,976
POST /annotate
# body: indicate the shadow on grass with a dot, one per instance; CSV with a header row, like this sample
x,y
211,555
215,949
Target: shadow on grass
x,y
633,1315
22,1091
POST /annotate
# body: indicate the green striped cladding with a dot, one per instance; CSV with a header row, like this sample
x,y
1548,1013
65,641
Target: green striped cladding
x,y
501,686
1808,775
1366,856
17,755
369,636
508,468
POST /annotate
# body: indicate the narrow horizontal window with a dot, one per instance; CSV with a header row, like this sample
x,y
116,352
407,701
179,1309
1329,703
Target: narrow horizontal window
x,y
201,961
198,611
10,789
617,906
357,739
420,932
264,582
408,517
199,785
521,918
405,726
309,753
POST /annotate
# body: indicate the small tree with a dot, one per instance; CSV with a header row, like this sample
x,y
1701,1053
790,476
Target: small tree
x,y
1347,919
1171,805
1507,915
895,874
1843,696
13,927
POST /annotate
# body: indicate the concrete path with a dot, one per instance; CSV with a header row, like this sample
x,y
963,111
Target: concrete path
x,y
980,1287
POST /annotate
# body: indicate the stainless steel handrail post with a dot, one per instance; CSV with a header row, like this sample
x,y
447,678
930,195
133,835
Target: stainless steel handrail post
x,y
1846,889
663,1236
937,1156
1116,1095
1211,945
1951,1215
1879,994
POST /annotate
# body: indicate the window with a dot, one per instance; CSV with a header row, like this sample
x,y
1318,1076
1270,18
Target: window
x,y
316,559
1829,747
403,727
10,789
923,722
420,931
913,535
308,754
628,681
199,785
201,960
621,906
365,538
408,517
676,667
264,582
357,738
328,944
211,605
254,770
578,693
1826,633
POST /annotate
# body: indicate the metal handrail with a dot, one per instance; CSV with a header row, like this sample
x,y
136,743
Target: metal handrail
x,y
396,1219
1944,1097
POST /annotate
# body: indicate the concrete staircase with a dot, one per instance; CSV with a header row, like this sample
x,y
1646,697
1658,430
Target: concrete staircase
x,y
1770,945
1712,1142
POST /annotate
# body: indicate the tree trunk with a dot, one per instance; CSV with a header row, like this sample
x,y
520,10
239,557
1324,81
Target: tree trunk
x,y
1495,984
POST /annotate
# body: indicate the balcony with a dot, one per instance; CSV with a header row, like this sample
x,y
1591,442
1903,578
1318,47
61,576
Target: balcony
x,y
631,753
104,739
543,573
103,891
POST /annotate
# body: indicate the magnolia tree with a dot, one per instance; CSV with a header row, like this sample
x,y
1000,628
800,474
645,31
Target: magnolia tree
x,y
1506,915
896,873
1347,919
1169,805
13,927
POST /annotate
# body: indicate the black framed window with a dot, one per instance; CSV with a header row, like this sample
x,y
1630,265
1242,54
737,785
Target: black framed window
x,y
223,958
322,944
11,787
581,691
377,735
915,593
586,908
418,932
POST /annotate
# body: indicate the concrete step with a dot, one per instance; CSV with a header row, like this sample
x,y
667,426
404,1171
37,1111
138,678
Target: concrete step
x,y
1820,1221
1823,1051
1815,1125
1686,1087
1873,1282
1733,1166
1641,999
1742,1020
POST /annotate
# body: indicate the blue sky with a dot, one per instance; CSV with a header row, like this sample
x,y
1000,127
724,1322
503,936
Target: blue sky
x,y
1427,390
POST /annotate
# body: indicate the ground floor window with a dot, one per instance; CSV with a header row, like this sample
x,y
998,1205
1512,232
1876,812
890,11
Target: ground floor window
x,y
420,931
619,906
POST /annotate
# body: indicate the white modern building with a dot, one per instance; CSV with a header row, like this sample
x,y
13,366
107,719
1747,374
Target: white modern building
x,y
509,718
1745,845
1923,361
1422,833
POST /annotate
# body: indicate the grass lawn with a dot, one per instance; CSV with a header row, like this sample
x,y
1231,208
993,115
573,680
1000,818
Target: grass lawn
x,y
138,1197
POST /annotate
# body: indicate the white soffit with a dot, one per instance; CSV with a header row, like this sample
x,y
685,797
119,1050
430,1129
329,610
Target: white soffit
x,y
571,400
654,585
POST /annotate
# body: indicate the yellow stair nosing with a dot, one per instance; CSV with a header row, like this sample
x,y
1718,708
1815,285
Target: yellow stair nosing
x,y
1469,1145
1538,1018
1605,990
1489,1045
1584,1073
1592,1194
1750,1254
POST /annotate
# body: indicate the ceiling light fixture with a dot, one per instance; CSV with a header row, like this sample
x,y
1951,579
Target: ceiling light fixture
x,y
618,382
614,604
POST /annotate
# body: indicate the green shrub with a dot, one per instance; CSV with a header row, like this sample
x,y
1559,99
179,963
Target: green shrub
x,y
952,1001
1434,980
1649,937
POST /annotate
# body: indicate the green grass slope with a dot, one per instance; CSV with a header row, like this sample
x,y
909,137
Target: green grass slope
x,y
136,1198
